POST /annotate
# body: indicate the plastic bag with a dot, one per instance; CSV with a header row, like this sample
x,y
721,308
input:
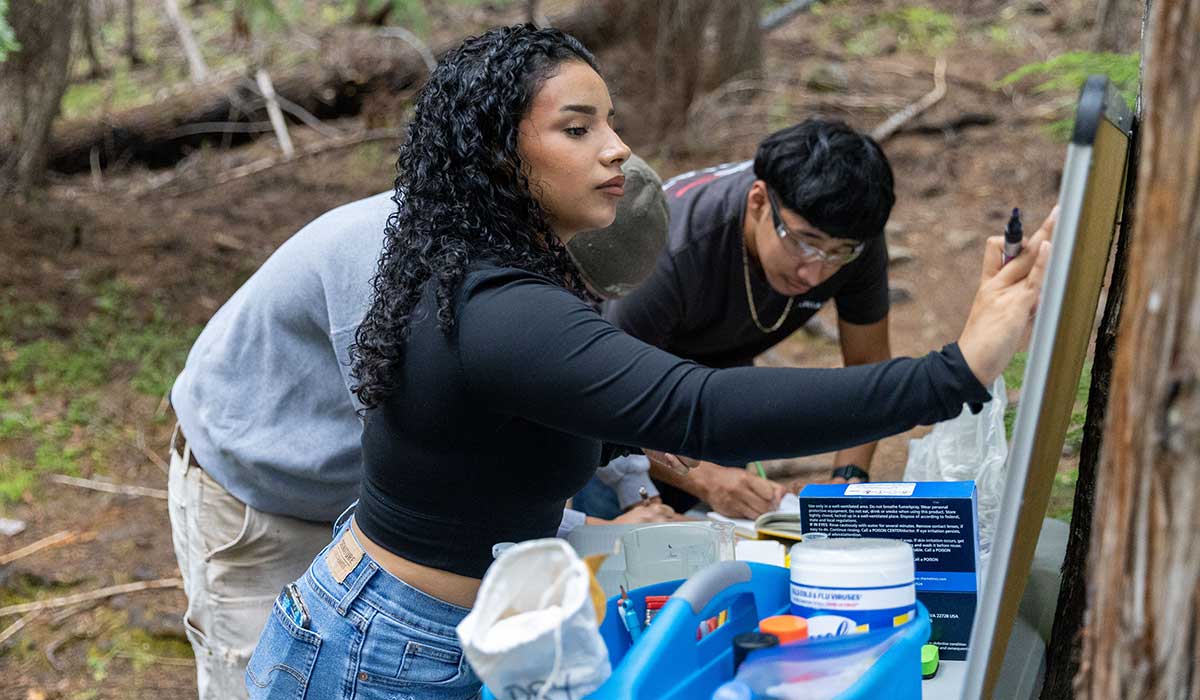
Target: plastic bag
x,y
971,447
533,632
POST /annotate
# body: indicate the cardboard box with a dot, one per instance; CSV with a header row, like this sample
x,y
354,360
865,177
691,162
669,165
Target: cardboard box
x,y
939,520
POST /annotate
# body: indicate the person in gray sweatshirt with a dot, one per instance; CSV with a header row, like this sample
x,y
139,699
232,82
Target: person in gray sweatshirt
x,y
266,452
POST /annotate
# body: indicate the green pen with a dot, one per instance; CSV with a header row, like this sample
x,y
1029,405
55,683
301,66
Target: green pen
x,y
758,466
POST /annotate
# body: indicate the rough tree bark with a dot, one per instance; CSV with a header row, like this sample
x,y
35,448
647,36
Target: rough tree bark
x,y
1141,639
598,23
32,82
88,33
1062,654
131,52
1063,650
739,40
1112,18
678,30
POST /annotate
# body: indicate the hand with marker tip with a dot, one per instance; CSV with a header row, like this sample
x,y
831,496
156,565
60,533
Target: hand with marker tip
x,y
1002,313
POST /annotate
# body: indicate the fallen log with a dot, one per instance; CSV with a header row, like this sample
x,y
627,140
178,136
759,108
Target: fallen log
x,y
354,62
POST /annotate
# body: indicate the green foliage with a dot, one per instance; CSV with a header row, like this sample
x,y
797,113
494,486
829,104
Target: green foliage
x,y
263,14
922,28
914,28
410,14
16,478
1002,36
1065,74
132,644
1062,493
113,342
867,43
8,40
52,413
123,89
1014,375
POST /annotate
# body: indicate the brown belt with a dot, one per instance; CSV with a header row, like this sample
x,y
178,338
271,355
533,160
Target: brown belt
x,y
180,447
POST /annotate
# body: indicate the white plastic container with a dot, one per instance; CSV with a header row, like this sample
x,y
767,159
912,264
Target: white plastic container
x,y
852,585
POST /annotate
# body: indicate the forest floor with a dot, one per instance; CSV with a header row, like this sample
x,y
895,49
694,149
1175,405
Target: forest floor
x,y
102,293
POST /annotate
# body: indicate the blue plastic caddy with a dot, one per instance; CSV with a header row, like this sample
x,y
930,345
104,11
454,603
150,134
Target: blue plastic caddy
x,y
669,663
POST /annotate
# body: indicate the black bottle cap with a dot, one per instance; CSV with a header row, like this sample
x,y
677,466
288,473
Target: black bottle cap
x,y
747,642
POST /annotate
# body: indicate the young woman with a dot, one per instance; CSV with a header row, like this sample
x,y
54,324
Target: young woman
x,y
481,350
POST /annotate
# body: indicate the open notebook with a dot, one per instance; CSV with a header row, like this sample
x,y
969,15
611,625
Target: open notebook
x,y
784,522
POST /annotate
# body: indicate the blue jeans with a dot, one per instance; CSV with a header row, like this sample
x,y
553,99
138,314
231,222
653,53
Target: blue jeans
x,y
597,500
371,636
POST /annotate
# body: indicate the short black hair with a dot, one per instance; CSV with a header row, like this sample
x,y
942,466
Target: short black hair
x,y
833,176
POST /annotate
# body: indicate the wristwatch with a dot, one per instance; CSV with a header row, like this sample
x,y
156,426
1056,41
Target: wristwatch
x,y
851,471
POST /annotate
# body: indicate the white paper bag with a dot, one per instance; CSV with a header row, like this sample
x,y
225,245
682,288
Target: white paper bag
x,y
532,633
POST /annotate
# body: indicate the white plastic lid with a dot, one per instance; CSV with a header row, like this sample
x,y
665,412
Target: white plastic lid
x,y
852,562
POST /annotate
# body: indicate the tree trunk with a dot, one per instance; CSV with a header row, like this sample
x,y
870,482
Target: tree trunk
x,y
95,67
598,23
678,63
739,41
131,52
1063,651
1112,17
196,65
240,25
354,62
32,82
363,14
1062,654
362,11
1141,640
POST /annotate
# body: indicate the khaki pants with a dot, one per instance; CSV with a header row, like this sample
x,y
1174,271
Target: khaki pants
x,y
234,561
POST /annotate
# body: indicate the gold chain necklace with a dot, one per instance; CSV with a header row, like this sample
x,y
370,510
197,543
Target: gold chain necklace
x,y
750,297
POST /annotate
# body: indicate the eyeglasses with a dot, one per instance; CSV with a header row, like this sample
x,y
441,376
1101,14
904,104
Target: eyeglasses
x,y
797,248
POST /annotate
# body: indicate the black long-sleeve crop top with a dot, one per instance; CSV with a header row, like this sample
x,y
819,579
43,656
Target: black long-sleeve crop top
x,y
496,424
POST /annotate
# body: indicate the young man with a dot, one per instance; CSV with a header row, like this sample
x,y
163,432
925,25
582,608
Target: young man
x,y
754,250
267,450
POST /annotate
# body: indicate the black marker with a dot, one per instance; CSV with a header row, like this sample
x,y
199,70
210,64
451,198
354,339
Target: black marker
x,y
1012,237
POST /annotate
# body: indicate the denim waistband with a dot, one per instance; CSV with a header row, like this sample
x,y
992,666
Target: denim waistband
x,y
370,584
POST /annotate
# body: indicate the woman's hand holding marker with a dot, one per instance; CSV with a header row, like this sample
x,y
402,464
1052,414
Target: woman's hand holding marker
x,y
1002,312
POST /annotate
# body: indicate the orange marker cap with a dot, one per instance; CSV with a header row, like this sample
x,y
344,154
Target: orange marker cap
x,y
788,628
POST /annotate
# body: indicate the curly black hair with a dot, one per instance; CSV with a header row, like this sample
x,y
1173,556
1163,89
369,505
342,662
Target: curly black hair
x,y
462,192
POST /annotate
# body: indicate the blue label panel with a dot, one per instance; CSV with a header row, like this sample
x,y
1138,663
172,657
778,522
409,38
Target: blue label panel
x,y
950,617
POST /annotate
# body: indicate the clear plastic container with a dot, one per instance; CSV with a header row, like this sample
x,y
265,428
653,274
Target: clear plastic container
x,y
810,670
670,551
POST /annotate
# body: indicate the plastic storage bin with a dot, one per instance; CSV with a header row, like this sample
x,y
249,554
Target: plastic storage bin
x,y
669,663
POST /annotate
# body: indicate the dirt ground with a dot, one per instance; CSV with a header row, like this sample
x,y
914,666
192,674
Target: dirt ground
x,y
181,257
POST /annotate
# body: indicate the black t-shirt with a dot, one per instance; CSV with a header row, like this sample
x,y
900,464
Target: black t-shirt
x,y
491,428
694,303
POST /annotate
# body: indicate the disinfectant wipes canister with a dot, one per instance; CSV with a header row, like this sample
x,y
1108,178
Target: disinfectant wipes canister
x,y
846,586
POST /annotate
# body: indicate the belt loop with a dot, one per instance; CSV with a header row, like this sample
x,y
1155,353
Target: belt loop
x,y
174,434
356,586
187,456
341,519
